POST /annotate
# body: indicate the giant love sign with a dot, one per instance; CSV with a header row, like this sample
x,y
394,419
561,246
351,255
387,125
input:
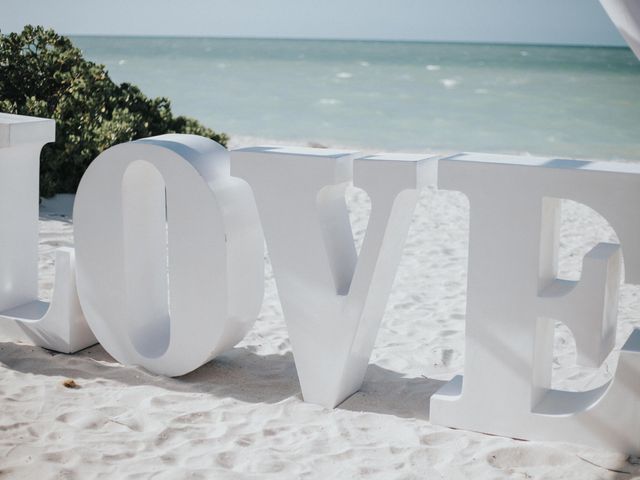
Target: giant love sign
x,y
168,268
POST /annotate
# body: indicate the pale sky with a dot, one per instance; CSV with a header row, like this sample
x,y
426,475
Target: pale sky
x,y
512,21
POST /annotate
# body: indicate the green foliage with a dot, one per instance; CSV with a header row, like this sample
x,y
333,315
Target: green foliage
x,y
42,74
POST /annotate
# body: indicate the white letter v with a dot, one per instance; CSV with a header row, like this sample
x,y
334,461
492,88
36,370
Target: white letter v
x,y
332,299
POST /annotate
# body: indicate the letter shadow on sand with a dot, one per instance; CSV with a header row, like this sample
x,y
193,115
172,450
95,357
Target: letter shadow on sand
x,y
239,373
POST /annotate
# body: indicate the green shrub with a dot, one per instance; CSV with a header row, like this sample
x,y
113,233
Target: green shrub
x,y
42,74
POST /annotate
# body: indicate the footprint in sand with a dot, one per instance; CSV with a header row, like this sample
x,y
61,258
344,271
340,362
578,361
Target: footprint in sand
x,y
527,456
438,439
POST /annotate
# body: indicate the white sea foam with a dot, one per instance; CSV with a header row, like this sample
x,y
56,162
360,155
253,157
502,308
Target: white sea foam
x,y
329,101
433,68
344,75
449,82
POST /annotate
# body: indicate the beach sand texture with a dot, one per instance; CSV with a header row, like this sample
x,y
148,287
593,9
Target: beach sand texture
x,y
242,416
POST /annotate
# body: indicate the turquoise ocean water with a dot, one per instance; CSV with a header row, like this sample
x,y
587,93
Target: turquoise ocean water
x,y
394,96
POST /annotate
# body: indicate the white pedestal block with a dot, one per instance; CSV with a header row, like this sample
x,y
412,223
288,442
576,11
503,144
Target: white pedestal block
x,y
333,299
170,252
58,325
514,297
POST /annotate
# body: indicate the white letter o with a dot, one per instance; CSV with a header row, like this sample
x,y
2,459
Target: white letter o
x,y
168,280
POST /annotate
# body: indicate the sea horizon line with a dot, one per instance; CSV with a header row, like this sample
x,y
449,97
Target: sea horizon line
x,y
348,40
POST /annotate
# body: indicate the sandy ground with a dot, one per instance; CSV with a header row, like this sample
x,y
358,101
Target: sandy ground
x,y
242,416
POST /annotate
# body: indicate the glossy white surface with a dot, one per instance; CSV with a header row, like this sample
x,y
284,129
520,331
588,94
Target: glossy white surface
x,y
333,299
58,325
170,252
514,297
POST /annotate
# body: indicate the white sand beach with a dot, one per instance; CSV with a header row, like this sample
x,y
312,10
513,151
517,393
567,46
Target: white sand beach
x,y
242,415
